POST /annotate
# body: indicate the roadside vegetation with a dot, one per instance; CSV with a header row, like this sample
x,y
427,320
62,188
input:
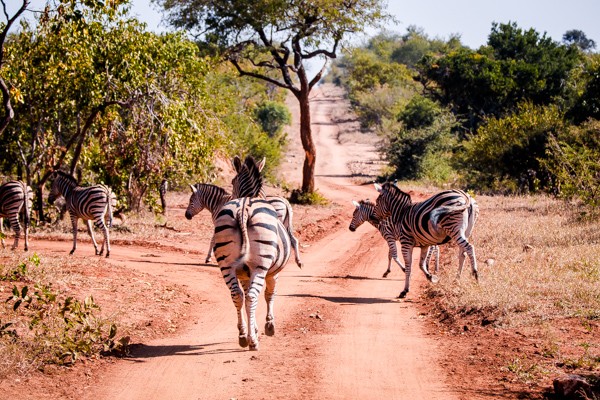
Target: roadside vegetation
x,y
518,115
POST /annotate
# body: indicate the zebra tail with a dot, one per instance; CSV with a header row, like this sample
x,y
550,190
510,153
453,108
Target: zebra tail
x,y
111,196
26,218
242,220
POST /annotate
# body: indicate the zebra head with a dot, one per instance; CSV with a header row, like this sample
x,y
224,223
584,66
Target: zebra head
x,y
364,212
391,200
62,184
196,204
248,182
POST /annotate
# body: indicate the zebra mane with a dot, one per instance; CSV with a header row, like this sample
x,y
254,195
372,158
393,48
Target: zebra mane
x,y
248,176
366,202
68,177
218,189
395,191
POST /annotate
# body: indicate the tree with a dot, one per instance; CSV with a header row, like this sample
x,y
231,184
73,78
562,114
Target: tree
x,y
4,28
272,40
579,39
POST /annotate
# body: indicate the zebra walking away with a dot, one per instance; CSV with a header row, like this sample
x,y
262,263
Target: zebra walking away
x,y
251,246
212,197
446,216
365,212
88,203
16,197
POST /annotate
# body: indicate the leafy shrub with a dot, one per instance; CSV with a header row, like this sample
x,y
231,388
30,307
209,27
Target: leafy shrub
x,y
420,147
312,198
505,153
273,116
573,161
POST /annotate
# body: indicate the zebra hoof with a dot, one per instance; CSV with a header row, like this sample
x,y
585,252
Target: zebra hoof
x,y
385,274
107,254
269,329
254,347
434,279
243,340
71,252
207,261
403,294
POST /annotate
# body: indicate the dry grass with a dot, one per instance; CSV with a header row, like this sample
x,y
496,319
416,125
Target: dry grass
x,y
542,264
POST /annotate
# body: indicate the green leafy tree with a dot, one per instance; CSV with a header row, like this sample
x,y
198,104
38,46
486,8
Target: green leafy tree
x,y
272,40
573,156
273,117
5,26
515,66
579,39
505,155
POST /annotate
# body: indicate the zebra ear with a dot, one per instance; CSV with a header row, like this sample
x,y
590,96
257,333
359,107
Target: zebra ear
x,y
378,187
237,164
194,190
261,164
355,204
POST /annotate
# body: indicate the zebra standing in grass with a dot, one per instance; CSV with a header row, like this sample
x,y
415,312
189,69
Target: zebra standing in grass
x,y
446,216
365,212
251,246
15,196
88,203
213,198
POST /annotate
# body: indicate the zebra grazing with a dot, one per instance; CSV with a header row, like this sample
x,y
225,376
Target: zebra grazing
x,y
449,215
365,212
15,196
88,203
213,198
251,246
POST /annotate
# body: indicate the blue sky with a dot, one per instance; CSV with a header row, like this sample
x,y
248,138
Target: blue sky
x,y
471,19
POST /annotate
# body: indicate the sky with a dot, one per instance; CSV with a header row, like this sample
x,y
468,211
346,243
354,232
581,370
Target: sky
x,y
471,19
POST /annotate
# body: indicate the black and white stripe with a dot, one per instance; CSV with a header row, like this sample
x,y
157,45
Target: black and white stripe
x,y
365,212
212,198
88,203
251,246
16,198
446,216
248,181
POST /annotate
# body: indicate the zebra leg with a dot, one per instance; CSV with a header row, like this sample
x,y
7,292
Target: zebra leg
x,y
237,295
294,243
74,223
257,281
466,247
210,250
91,233
2,231
389,268
16,226
423,261
270,290
393,253
407,251
100,224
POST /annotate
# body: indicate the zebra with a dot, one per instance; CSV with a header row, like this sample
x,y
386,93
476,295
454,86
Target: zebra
x,y
212,197
251,246
248,181
16,196
88,203
365,212
448,215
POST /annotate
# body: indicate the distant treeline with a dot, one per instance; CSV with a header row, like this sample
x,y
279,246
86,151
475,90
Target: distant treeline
x,y
520,114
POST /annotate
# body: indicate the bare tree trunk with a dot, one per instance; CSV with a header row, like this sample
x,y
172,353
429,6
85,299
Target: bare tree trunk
x,y
162,190
310,151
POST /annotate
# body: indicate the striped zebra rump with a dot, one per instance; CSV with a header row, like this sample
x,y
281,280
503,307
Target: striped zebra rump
x,y
446,216
365,212
251,246
93,203
16,197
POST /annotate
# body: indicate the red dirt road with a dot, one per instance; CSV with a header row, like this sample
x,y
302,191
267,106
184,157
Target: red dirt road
x,y
340,332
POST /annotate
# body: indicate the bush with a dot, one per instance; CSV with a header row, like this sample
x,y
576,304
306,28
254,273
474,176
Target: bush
x,y
573,161
505,154
273,116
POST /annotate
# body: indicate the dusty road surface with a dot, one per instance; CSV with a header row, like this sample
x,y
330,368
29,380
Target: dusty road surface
x,y
340,332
